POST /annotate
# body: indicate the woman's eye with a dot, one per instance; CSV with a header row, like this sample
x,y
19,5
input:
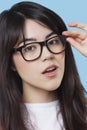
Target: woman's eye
x,y
54,42
29,48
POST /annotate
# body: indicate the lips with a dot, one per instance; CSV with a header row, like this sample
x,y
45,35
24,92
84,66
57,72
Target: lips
x,y
50,70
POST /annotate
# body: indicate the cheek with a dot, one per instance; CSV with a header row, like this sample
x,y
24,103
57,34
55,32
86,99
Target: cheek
x,y
19,64
61,63
25,69
61,60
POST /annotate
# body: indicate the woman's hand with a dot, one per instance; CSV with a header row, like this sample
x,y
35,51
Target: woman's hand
x,y
78,38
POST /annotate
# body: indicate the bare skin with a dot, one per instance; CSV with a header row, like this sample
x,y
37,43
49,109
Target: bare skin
x,y
37,86
78,38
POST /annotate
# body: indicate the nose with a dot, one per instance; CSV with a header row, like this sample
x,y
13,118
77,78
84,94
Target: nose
x,y
46,54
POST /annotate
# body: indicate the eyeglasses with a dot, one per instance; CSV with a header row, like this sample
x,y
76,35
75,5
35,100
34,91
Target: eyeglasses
x,y
33,51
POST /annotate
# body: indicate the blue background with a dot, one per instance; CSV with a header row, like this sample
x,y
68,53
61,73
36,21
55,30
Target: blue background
x,y
75,10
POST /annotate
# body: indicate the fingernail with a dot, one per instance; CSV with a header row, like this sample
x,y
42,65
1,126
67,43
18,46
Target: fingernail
x,y
72,24
65,32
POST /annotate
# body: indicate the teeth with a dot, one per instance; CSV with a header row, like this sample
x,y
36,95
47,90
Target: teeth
x,y
50,69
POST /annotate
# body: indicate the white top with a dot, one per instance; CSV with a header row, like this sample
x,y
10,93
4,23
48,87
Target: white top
x,y
44,115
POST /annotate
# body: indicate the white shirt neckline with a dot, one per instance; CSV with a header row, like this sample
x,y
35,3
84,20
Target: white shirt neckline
x,y
44,115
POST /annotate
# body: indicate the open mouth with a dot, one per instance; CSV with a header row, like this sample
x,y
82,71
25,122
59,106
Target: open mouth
x,y
50,71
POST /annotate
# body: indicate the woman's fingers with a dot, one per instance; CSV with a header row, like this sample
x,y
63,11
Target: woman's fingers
x,y
78,38
81,46
75,33
82,34
78,25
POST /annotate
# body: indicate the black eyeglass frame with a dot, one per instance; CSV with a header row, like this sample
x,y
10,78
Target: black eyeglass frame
x,y
42,43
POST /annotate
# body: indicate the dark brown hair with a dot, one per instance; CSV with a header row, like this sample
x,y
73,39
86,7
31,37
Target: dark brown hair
x,y
71,92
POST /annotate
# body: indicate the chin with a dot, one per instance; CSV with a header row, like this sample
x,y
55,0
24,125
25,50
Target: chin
x,y
53,88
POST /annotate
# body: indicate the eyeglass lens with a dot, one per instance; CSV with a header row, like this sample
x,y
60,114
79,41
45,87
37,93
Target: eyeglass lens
x,y
32,51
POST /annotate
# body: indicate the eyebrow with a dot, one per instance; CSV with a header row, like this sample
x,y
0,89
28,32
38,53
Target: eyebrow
x,y
34,39
50,34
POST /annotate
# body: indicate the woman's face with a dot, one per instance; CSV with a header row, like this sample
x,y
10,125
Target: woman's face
x,y
45,73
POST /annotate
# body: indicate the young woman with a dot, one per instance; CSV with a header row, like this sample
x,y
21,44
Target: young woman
x,y
40,87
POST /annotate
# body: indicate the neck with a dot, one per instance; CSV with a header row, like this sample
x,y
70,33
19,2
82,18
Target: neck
x,y
37,95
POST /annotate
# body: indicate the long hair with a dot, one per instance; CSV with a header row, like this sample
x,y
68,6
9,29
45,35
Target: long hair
x,y
71,92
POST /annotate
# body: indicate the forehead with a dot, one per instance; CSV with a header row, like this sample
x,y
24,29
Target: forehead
x,y
35,29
